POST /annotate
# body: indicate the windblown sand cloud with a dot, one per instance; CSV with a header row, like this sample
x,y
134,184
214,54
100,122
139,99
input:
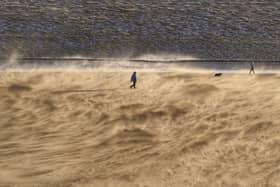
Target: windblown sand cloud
x,y
176,129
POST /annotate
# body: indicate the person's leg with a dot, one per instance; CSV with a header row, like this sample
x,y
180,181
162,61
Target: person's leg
x,y
134,84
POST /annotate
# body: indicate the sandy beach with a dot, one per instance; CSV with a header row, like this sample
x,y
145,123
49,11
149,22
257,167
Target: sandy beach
x,y
88,129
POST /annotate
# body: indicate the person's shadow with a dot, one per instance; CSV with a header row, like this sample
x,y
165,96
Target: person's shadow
x,y
80,91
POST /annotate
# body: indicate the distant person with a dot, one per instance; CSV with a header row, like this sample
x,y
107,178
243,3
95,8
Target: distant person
x,y
133,80
252,67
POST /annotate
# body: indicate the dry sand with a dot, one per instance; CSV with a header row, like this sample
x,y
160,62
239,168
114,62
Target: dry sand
x,y
176,129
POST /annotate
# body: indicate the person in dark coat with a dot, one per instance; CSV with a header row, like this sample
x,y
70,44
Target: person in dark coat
x,y
133,79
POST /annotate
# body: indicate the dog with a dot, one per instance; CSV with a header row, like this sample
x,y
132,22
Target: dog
x,y
218,74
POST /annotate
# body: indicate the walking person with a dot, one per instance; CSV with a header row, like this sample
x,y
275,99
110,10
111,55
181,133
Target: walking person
x,y
252,68
133,79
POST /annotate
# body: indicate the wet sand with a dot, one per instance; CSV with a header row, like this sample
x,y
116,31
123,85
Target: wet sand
x,y
176,129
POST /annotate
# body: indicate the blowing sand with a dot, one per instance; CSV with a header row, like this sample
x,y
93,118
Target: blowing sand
x,y
89,129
